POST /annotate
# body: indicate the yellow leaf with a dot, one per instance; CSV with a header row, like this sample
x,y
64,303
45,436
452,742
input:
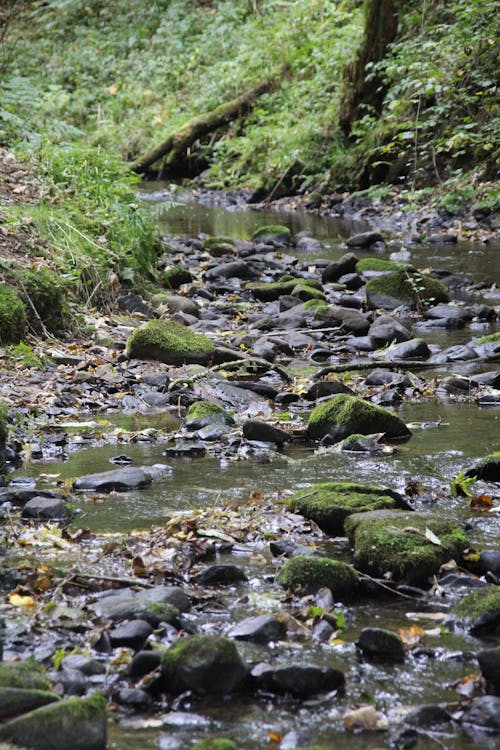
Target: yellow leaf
x,y
412,635
274,736
16,600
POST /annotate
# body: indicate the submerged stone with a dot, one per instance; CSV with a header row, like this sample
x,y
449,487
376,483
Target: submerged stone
x,y
169,342
122,480
312,573
408,546
381,643
261,629
272,233
299,680
328,504
346,415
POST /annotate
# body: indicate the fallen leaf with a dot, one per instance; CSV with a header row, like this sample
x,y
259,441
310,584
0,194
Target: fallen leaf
x,y
481,502
412,635
365,717
17,600
430,535
274,736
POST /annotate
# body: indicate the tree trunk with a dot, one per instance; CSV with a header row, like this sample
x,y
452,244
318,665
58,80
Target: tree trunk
x,y
381,25
176,146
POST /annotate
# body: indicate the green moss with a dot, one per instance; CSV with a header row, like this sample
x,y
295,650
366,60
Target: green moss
x,y
203,663
488,469
491,338
405,287
16,701
12,316
482,601
207,412
173,278
318,305
218,244
272,291
306,293
330,503
396,542
4,425
43,296
27,675
380,265
345,415
218,743
162,611
311,573
272,232
169,342
24,354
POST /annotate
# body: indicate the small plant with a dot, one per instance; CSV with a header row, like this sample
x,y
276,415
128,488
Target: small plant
x,y
460,486
24,354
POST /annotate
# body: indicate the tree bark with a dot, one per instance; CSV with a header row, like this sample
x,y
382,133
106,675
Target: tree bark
x,y
176,146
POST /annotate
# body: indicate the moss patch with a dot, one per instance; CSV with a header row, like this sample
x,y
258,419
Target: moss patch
x,y
12,316
14,701
202,413
396,542
43,296
380,265
478,603
4,425
345,415
26,675
218,245
173,278
203,663
405,287
275,232
170,342
311,573
217,743
330,503
274,290
491,338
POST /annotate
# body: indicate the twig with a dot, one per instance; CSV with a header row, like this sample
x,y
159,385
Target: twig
x,y
394,365
111,579
229,366
388,588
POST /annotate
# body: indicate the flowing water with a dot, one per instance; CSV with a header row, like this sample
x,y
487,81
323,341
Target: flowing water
x,y
433,457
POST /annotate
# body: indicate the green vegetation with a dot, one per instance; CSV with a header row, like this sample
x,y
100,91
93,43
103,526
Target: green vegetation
x,y
380,265
204,664
170,342
24,354
173,278
42,294
311,573
4,427
218,743
345,415
12,316
26,675
272,232
478,603
206,412
267,292
491,338
405,287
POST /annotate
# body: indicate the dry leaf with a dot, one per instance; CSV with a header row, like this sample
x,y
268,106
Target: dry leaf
x,y
481,502
412,635
17,600
430,535
274,736
365,717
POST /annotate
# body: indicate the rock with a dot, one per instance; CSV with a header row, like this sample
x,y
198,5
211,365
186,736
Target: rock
x,y
484,714
370,267
488,469
172,303
134,698
24,675
381,643
449,316
261,629
489,560
364,718
413,349
312,573
428,716
174,277
489,379
169,342
387,330
254,429
204,664
480,609
203,413
143,663
16,701
72,681
134,303
267,292
84,664
333,271
76,723
404,288
159,604
301,681
379,376
132,634
328,504
272,233
489,661
122,480
323,388
44,507
289,548
395,542
238,269
216,743
346,415
364,239
215,575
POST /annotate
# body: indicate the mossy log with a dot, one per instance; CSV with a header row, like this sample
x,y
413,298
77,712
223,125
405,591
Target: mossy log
x,y
175,147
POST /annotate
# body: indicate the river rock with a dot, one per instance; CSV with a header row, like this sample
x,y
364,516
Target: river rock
x,y
484,714
272,233
480,610
134,698
489,560
44,508
132,634
403,544
122,480
261,629
309,574
204,664
170,342
85,664
381,643
346,415
143,663
488,469
329,503
449,316
323,388
24,675
215,575
72,682
76,723
254,429
489,661
15,701
364,239
333,271
239,269
19,496
428,716
159,604
299,680
413,349
204,413
404,287
173,303
387,330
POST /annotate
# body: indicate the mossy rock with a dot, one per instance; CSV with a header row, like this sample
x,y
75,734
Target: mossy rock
x,y
380,265
312,573
217,743
76,723
15,701
173,278
203,413
404,287
345,415
218,245
25,675
170,342
491,338
480,608
204,664
268,292
328,504
4,425
488,469
395,542
272,232
317,305
12,316
43,291
305,293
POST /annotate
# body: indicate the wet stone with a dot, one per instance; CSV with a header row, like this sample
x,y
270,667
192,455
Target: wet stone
x,y
85,664
364,239
489,560
131,634
129,604
262,629
133,698
122,480
427,716
254,429
143,663
15,701
72,681
484,714
44,508
381,643
301,681
489,661
224,574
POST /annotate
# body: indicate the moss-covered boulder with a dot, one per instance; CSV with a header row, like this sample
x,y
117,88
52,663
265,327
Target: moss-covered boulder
x,y
328,504
216,743
380,265
312,573
24,675
272,233
204,664
43,295
404,287
12,316
170,342
267,292
345,415
410,546
174,277
15,701
488,469
480,609
76,723
203,413
218,245
491,338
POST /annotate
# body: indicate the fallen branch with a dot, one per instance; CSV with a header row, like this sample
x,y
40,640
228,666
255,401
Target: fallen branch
x,y
189,380
394,365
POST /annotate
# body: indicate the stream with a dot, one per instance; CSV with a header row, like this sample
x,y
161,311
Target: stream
x,y
449,435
